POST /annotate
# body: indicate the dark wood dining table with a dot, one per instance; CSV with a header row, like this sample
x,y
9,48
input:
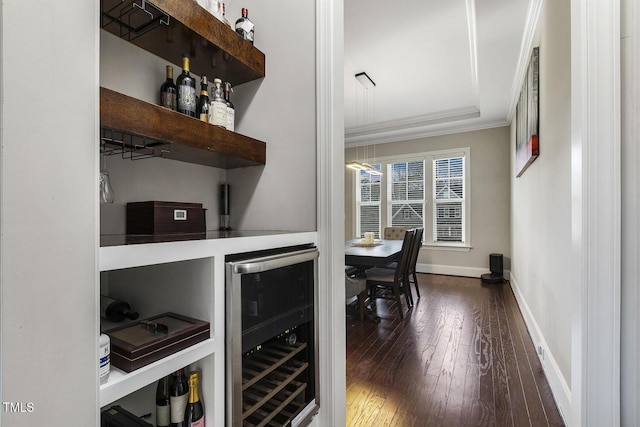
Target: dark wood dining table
x,y
367,256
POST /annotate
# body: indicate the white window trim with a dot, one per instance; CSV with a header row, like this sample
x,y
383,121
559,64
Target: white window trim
x,y
466,226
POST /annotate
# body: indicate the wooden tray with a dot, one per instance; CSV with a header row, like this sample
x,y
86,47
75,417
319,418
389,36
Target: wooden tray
x,y
136,345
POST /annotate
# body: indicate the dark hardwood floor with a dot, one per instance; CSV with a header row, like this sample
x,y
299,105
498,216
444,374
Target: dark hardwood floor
x,y
461,357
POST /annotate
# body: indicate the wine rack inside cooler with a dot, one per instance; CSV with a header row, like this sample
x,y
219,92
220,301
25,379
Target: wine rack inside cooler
x,y
275,382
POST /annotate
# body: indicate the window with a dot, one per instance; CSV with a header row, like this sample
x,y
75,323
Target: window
x,y
368,203
407,187
405,207
448,199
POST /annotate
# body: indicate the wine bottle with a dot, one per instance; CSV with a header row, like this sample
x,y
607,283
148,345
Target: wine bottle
x,y
218,110
224,16
244,26
163,408
168,91
186,90
178,398
203,102
194,414
116,310
231,112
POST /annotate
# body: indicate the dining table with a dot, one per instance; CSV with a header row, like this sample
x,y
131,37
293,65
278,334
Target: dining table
x,y
368,255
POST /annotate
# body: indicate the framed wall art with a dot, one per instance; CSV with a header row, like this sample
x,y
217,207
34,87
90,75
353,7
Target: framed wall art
x,y
527,117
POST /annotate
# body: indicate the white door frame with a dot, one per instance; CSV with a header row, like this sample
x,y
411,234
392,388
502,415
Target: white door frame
x,y
330,210
596,212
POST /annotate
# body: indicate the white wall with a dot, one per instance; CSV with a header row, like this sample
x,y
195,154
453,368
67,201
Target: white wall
x,y
130,70
630,274
541,209
489,192
49,211
281,109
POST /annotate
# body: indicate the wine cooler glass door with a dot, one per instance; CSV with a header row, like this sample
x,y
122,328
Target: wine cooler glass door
x,y
268,297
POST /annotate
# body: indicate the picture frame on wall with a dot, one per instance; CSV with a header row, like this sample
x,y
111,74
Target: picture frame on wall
x,y
527,117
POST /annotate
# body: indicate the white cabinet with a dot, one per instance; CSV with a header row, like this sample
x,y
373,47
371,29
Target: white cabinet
x,y
185,277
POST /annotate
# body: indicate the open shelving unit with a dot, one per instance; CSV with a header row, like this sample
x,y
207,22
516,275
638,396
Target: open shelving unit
x,y
170,29
135,127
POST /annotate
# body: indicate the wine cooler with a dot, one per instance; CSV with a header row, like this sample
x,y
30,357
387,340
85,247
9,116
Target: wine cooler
x,y
271,337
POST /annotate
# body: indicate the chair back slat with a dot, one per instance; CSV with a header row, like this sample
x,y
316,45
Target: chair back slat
x,y
415,249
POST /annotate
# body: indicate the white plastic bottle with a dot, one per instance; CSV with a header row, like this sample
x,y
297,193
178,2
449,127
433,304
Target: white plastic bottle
x,y
104,358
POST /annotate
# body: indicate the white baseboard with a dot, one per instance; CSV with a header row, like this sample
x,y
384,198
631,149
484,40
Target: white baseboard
x,y
559,387
454,270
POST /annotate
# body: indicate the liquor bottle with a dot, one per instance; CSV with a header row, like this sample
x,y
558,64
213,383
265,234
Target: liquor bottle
x,y
168,91
186,90
163,408
203,102
218,110
231,112
244,26
224,16
178,398
115,310
194,414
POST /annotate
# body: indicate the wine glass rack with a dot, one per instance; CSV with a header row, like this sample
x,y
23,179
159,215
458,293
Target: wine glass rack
x,y
131,19
131,146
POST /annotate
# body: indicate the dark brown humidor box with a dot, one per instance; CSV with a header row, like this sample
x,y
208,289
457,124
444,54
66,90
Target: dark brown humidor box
x,y
146,341
165,217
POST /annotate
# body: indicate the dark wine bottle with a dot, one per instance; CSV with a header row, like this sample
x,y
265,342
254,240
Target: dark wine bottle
x,y
231,112
163,408
202,109
194,414
116,310
244,26
186,90
178,398
168,91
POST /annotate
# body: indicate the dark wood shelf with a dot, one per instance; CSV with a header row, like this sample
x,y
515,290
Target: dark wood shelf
x,y
213,48
188,139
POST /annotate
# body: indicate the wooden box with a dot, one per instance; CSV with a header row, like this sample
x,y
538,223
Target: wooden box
x,y
146,341
165,218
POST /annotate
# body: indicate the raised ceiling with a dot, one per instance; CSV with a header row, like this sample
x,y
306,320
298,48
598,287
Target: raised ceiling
x,y
440,66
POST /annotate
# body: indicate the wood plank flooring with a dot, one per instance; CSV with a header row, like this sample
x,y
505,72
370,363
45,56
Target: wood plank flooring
x,y
461,357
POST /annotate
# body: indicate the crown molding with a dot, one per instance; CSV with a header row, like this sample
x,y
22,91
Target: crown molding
x,y
406,134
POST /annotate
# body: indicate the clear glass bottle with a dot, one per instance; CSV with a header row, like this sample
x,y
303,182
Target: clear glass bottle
x,y
202,109
218,109
224,15
245,27
231,112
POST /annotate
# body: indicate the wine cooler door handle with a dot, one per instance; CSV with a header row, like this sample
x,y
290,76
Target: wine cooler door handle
x,y
258,265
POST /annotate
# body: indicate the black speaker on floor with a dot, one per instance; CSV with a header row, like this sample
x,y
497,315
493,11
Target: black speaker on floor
x,y
495,264
496,268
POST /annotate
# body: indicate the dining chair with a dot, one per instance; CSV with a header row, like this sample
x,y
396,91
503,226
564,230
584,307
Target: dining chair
x,y
415,251
382,280
394,233
356,287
